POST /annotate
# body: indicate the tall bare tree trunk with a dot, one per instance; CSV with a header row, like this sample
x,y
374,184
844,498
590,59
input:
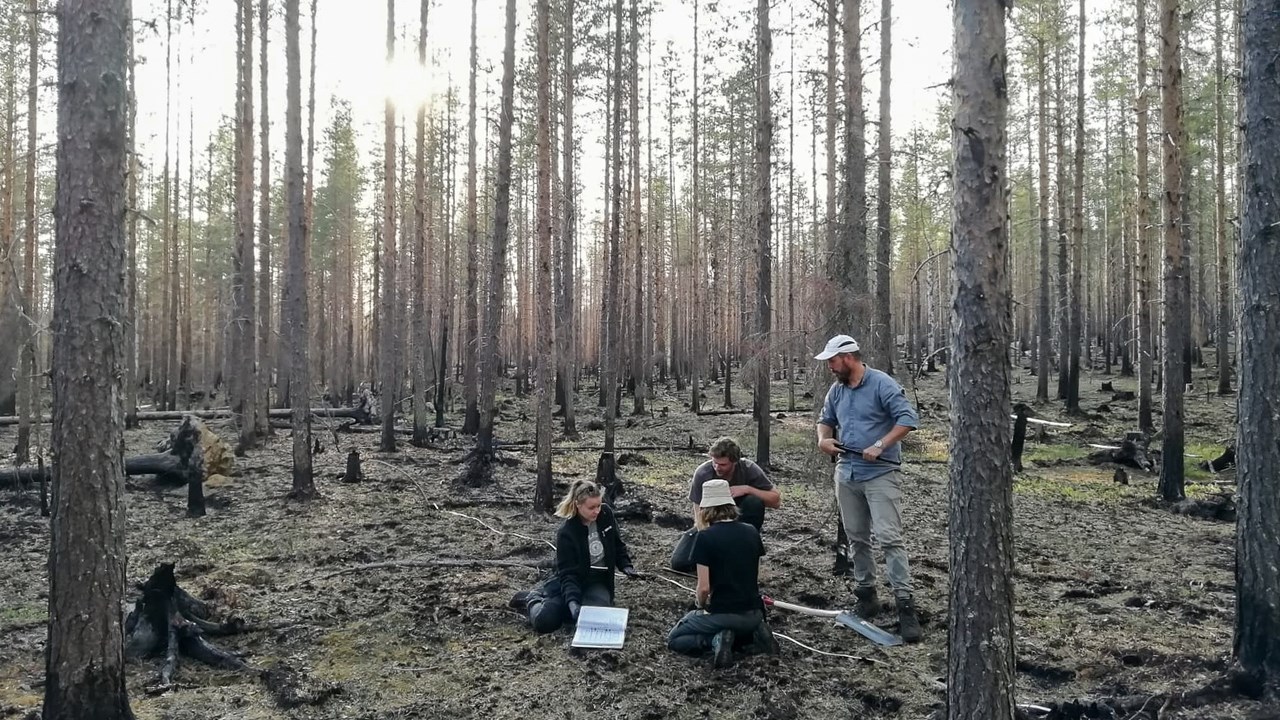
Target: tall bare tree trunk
x,y
640,328
84,658
244,400
608,348
882,336
980,630
131,281
471,341
297,321
1257,630
566,323
764,229
1045,332
1146,334
849,272
1177,318
697,337
545,334
1077,229
421,345
266,340
490,352
1060,197
28,385
1222,339
387,370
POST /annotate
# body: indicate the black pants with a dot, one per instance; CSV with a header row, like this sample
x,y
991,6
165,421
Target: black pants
x,y
750,511
547,613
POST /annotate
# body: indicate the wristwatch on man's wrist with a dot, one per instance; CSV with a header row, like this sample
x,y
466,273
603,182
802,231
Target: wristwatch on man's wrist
x,y
879,443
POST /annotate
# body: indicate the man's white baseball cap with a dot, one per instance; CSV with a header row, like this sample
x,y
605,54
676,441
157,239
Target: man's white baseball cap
x,y
836,345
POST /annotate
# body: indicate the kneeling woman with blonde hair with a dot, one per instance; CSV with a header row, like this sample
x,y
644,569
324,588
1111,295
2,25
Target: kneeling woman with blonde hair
x,y
589,547
727,554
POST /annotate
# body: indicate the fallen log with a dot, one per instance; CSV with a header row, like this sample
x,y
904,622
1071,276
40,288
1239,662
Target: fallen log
x,y
360,413
190,456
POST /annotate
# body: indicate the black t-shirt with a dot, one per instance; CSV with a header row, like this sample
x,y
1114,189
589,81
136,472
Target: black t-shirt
x,y
732,551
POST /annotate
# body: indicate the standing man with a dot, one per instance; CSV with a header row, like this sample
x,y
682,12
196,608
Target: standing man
x,y
871,413
750,487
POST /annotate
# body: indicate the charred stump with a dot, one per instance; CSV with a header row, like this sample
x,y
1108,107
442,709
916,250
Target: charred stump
x,y
1132,452
353,473
607,477
167,621
1019,434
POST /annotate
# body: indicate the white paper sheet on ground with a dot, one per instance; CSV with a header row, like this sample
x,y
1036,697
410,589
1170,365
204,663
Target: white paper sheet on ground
x,y
600,627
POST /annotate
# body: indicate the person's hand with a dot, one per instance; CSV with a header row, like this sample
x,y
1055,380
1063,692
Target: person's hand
x,y
737,491
631,572
872,453
574,609
829,446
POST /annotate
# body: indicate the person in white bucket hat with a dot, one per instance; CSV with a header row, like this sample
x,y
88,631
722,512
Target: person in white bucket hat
x,y
870,412
727,555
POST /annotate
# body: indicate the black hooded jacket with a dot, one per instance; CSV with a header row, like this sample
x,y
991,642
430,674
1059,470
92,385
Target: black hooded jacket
x,y
573,558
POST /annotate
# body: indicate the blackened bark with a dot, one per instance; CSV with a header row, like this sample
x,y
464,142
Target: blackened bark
x,y
471,338
1176,322
1146,335
1257,632
490,357
84,661
764,231
296,304
980,635
545,334
387,370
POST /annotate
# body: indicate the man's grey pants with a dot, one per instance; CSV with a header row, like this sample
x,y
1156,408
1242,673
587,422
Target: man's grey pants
x,y
874,506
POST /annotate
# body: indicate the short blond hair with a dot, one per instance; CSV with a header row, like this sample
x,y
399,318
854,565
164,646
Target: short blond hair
x,y
717,513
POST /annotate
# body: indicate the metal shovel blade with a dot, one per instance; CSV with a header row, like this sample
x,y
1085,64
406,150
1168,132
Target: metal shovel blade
x,y
871,632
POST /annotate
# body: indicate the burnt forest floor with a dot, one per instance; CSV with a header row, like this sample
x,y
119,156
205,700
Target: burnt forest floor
x,y
1117,596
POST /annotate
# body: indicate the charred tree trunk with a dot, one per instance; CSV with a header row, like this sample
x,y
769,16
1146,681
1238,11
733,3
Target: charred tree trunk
x,y
1177,320
1045,333
420,348
387,370
764,230
1257,630
542,497
1077,229
244,399
483,455
84,652
1146,334
266,343
882,336
980,631
471,342
1222,338
566,324
296,304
